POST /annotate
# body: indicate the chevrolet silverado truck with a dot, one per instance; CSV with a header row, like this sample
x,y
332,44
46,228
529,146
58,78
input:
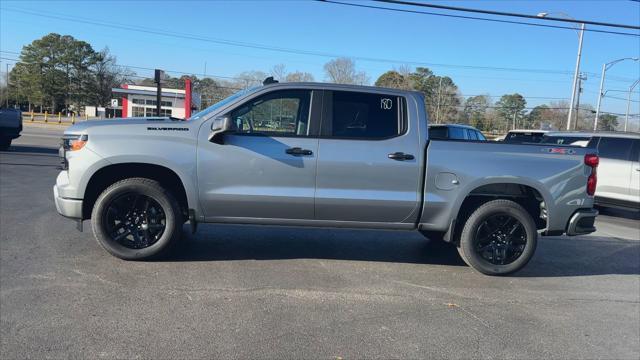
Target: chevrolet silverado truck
x,y
320,155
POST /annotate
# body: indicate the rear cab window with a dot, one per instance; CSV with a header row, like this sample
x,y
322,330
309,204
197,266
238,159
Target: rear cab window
x,y
356,115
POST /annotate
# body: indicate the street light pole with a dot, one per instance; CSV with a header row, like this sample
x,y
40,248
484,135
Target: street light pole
x,y
581,77
438,105
626,117
600,96
576,74
601,92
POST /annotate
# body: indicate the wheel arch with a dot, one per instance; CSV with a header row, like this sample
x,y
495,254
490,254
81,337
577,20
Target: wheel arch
x,y
529,194
109,174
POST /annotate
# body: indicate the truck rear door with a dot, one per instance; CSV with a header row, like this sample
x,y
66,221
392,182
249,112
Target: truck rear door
x,y
369,159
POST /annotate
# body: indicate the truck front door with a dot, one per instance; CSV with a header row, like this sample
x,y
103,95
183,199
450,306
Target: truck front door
x,y
267,169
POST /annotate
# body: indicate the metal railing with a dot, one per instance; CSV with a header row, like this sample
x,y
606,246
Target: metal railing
x,y
47,118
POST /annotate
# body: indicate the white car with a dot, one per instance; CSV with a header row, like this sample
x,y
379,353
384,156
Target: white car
x,y
619,169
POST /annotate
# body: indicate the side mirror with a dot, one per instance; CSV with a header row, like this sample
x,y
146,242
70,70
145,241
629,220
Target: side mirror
x,y
219,127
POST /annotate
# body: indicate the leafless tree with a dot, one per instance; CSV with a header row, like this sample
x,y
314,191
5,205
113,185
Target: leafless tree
x,y
299,76
279,72
343,71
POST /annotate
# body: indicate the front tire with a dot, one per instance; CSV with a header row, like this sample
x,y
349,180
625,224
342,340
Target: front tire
x,y
136,219
499,238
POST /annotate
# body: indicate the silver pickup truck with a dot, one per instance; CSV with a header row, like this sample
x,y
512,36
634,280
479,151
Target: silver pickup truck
x,y
322,155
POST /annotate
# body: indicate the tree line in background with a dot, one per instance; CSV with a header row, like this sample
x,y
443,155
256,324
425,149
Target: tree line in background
x,y
59,73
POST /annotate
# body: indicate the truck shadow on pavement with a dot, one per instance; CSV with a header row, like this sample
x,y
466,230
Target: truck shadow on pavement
x,y
30,150
21,155
555,256
249,242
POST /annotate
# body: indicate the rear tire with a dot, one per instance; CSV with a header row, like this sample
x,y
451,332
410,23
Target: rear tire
x,y
499,238
136,219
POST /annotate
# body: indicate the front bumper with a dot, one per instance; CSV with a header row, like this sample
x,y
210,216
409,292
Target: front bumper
x,y
71,208
581,222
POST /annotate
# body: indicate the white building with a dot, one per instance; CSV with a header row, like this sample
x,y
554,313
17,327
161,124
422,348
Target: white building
x,y
139,101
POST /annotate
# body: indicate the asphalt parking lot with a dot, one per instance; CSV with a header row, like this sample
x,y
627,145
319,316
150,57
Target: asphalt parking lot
x,y
272,292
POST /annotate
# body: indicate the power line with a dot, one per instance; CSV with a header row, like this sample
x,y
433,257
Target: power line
x,y
473,18
251,80
545,108
280,49
509,14
245,79
145,68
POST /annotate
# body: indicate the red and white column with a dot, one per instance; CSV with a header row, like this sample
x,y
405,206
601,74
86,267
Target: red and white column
x,y
125,102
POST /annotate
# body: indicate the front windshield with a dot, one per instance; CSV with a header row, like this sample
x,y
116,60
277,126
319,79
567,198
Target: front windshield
x,y
221,103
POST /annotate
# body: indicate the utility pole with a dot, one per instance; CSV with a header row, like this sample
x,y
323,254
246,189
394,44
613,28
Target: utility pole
x,y
581,77
575,77
626,117
159,74
515,112
600,96
438,103
7,94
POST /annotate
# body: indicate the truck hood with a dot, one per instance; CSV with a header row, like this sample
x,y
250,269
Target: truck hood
x,y
82,127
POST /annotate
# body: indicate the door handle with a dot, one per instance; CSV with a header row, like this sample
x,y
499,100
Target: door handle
x,y
296,151
400,156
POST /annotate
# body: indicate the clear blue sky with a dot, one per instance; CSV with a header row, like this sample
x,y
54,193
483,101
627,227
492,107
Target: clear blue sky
x,y
348,31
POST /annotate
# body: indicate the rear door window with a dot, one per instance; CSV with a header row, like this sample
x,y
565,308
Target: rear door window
x,y
615,148
356,115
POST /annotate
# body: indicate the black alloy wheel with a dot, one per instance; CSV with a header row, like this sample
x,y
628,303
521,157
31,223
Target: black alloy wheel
x,y
135,221
500,239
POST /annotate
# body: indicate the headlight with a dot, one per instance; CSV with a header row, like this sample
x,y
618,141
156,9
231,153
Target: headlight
x,y
73,142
